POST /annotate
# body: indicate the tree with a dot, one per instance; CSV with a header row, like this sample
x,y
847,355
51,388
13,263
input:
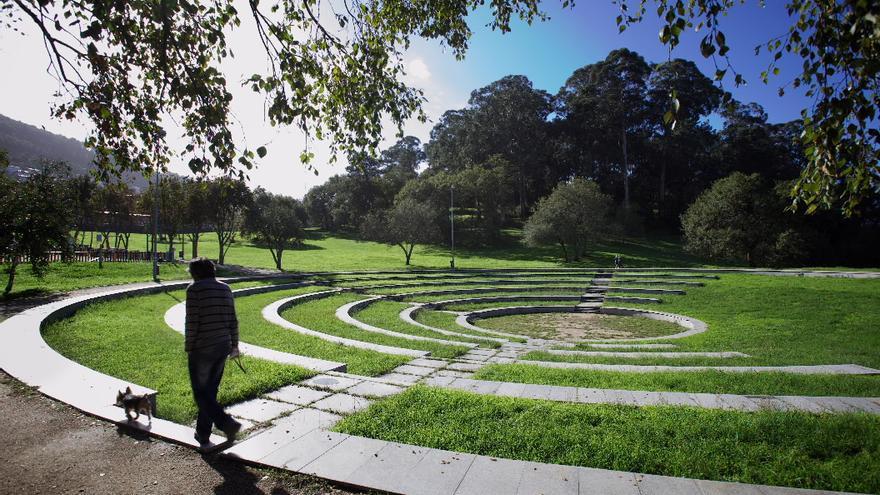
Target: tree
x,y
197,214
36,220
81,189
334,74
741,217
839,45
608,100
572,216
273,222
113,205
407,224
228,200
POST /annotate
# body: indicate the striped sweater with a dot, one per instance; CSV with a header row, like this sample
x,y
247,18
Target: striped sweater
x,y
210,315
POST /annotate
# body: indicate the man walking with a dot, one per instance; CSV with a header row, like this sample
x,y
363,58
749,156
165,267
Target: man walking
x,y
211,337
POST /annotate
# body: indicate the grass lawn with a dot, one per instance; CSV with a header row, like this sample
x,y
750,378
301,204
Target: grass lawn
x,y
779,321
344,252
494,292
256,330
831,452
320,315
715,382
386,314
63,277
571,326
503,304
128,339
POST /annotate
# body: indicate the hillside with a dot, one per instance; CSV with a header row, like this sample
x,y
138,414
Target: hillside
x,y
28,146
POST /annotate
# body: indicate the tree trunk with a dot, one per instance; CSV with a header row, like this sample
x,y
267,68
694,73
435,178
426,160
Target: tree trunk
x,y
564,251
278,259
195,243
11,278
625,167
221,256
662,198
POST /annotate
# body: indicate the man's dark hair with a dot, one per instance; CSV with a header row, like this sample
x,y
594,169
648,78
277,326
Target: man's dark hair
x,y
202,268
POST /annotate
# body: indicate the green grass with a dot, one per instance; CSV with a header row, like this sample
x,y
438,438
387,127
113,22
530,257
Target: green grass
x,y
446,321
63,277
714,382
491,293
779,321
319,315
256,330
831,452
128,339
546,326
503,304
386,314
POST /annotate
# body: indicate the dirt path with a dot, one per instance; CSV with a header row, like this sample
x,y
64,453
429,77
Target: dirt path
x,y
48,447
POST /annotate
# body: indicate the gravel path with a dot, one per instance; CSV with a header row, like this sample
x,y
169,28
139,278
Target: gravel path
x,y
51,448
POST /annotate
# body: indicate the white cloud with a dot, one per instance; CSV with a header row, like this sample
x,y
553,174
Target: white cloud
x,y
417,71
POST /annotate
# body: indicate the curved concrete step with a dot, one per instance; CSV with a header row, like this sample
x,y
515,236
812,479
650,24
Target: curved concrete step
x,y
407,315
640,355
272,313
822,369
344,312
175,318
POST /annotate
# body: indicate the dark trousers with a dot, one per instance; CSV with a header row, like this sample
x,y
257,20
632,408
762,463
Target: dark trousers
x,y
205,371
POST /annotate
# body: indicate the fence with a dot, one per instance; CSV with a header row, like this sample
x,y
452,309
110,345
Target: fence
x,y
108,255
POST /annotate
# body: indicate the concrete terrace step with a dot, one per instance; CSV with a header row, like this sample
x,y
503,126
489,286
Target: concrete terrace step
x,y
344,313
272,313
823,369
639,355
813,404
407,316
175,318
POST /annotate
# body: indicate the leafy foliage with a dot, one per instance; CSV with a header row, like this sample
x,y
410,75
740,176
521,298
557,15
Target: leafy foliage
x,y
274,223
839,43
742,217
35,220
572,216
407,224
333,71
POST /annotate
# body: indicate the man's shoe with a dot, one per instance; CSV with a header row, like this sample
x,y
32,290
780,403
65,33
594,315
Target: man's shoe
x,y
232,431
204,443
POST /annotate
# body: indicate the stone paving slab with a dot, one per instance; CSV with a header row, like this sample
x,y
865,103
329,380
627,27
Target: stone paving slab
x,y
342,403
373,389
329,382
383,470
491,475
283,432
465,366
438,473
824,369
402,378
413,370
305,449
296,394
429,363
538,479
260,410
344,458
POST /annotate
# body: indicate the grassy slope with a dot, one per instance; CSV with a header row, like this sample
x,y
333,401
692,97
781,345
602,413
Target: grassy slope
x,y
128,339
535,326
319,315
834,452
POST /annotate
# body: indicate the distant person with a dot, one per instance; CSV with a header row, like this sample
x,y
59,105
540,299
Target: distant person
x,y
211,337
618,263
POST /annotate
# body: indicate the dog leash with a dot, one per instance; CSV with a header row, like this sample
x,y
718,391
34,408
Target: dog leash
x,y
237,360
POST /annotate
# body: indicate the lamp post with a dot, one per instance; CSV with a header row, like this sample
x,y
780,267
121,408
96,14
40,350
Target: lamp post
x,y
156,230
452,224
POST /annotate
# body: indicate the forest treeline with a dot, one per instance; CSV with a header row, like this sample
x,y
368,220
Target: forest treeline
x,y
513,144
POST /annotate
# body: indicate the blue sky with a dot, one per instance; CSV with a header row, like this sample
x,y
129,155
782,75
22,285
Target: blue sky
x,y
546,52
